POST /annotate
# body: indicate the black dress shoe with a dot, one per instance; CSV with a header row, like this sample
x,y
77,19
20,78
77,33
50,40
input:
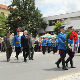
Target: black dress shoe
x,y
32,59
64,68
66,64
25,60
73,67
16,57
57,65
8,60
29,58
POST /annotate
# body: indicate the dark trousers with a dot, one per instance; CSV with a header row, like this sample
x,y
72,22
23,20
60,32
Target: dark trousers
x,y
62,57
79,49
31,53
54,50
71,56
39,48
0,46
36,48
18,50
49,49
8,53
43,49
26,53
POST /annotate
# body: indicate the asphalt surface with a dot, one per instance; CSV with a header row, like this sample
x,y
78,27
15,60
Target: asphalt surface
x,y
41,68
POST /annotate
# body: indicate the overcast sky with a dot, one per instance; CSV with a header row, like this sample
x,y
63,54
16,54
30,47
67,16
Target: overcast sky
x,y
53,7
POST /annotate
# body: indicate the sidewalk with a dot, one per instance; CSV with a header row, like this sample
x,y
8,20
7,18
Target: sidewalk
x,y
73,76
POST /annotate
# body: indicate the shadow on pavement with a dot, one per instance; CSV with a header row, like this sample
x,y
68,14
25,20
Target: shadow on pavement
x,y
54,69
16,62
11,61
3,61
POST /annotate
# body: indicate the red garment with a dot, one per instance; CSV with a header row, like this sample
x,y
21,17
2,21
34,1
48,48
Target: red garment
x,y
73,36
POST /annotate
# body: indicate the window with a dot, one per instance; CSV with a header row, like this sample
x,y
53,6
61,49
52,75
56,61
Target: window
x,y
2,13
52,22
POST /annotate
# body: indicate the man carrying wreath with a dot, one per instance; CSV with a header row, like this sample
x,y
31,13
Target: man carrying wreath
x,y
72,43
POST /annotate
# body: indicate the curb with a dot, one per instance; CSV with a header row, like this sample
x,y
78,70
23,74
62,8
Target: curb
x,y
71,76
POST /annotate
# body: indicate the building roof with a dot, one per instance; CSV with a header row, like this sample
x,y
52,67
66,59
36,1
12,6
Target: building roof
x,y
63,16
49,28
74,23
3,6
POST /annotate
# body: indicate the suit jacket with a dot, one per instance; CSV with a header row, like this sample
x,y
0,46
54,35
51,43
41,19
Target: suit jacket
x,y
8,42
25,41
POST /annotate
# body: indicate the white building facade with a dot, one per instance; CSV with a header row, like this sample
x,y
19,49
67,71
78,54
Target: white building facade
x,y
69,19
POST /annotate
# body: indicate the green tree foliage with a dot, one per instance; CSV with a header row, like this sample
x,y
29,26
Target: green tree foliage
x,y
24,14
56,29
3,22
67,37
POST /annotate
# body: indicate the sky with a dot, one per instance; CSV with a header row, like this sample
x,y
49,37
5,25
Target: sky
x,y
53,7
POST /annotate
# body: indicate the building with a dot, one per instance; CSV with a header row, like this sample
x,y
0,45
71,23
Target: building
x,y
69,19
4,10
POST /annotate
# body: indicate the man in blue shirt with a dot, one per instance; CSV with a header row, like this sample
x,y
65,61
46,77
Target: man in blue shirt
x,y
44,45
17,43
54,45
49,45
62,48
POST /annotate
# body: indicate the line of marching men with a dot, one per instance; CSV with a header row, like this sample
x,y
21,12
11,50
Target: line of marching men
x,y
23,43
49,45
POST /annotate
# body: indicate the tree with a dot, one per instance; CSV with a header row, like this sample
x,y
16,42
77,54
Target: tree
x,y
3,22
56,29
24,14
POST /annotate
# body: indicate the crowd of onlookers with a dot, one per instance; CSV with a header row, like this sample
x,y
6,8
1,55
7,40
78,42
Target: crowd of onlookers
x,y
37,44
2,49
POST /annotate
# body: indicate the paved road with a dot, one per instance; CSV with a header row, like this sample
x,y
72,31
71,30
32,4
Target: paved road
x,y
42,68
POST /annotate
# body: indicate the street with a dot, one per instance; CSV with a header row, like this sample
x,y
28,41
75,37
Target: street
x,y
41,68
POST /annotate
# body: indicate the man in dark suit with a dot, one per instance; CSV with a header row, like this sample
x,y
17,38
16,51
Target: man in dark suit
x,y
25,41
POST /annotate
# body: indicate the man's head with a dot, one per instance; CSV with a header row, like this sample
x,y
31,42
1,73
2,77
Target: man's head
x,y
70,28
30,35
12,34
18,33
25,32
53,39
8,34
62,29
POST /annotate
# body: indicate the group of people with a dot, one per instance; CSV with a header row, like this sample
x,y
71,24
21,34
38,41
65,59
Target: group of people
x,y
19,43
70,48
27,44
49,45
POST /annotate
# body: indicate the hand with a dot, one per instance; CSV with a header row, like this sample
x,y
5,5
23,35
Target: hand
x,y
13,48
5,48
21,48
